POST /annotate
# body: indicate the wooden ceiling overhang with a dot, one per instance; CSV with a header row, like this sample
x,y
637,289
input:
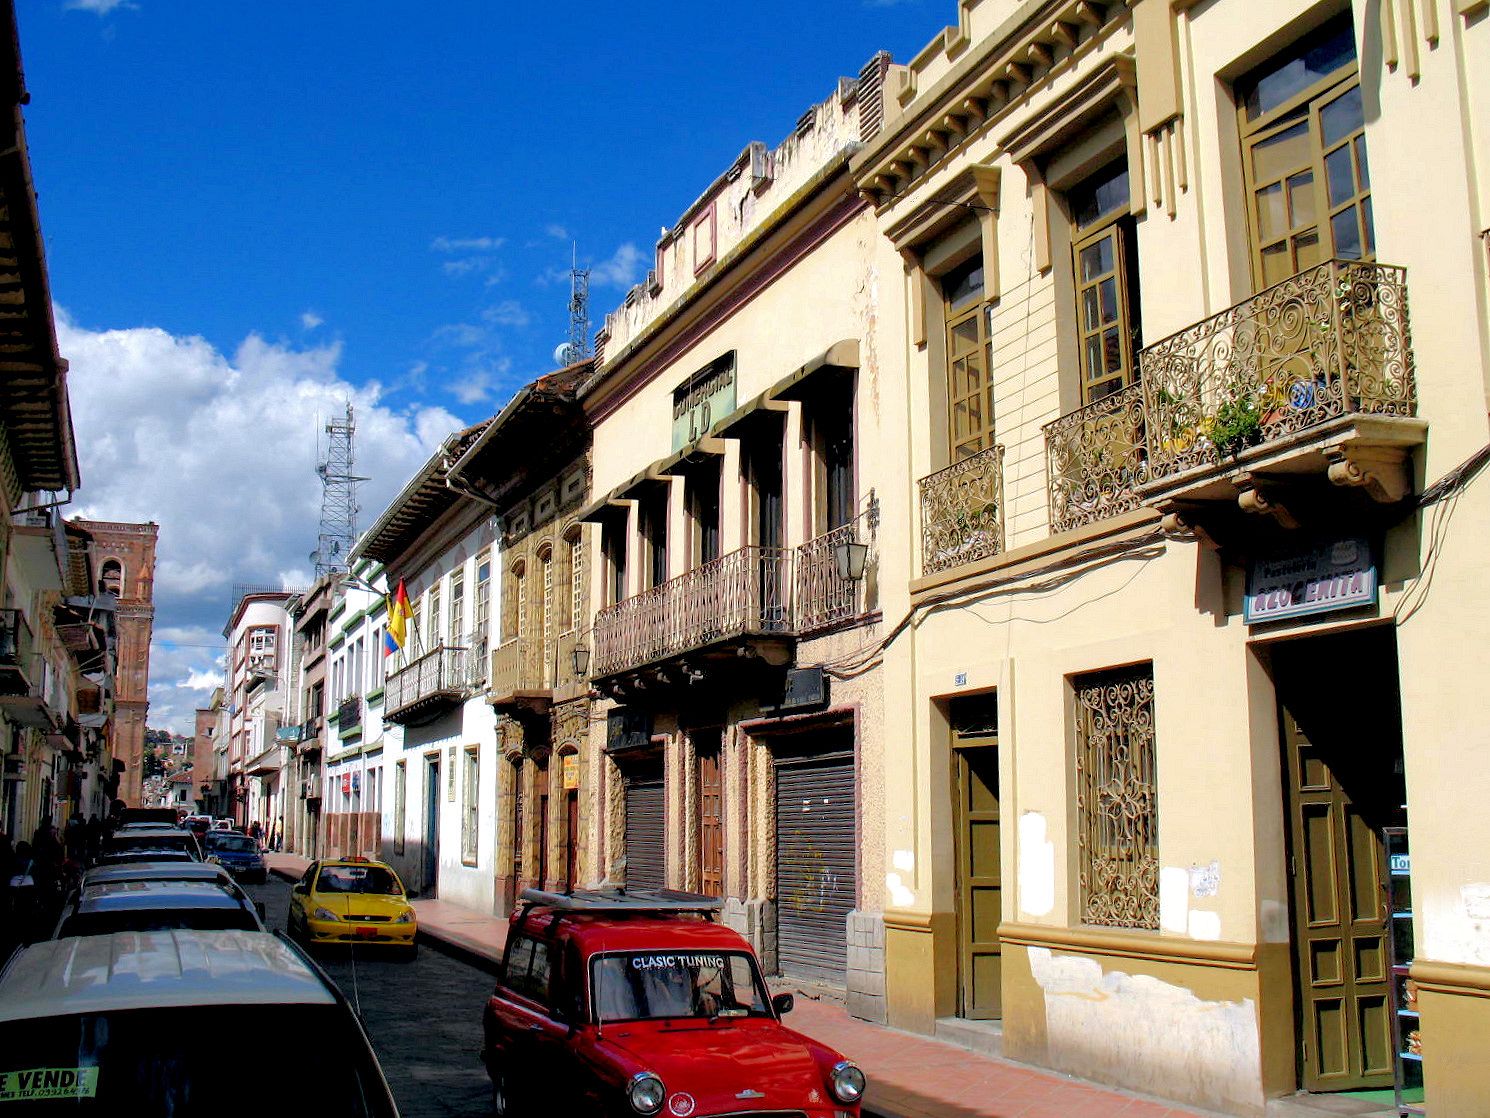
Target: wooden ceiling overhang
x,y
425,499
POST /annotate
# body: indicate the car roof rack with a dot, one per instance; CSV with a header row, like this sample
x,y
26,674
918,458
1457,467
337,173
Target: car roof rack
x,y
636,901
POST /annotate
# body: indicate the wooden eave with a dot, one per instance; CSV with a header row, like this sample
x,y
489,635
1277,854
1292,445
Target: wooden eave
x,y
424,500
1041,40
34,409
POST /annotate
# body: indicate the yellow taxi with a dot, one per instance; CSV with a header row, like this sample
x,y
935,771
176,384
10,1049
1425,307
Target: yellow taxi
x,y
352,900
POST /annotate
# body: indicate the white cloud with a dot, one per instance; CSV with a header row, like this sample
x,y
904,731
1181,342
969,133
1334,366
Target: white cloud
x,y
220,451
558,232
199,680
98,7
310,320
509,312
622,270
461,244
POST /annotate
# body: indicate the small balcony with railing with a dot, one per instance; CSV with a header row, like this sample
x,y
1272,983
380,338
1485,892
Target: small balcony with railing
x,y
736,607
528,676
1307,382
16,654
962,512
1096,457
432,684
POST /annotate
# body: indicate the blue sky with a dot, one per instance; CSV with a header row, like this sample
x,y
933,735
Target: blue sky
x,y
255,212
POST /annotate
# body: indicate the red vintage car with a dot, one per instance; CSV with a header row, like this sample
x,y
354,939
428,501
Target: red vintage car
x,y
615,1004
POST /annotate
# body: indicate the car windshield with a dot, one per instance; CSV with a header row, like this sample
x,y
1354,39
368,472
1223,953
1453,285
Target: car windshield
x,y
357,879
706,984
157,920
238,844
160,1061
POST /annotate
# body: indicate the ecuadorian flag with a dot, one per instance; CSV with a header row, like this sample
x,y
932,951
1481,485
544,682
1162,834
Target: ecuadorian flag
x,y
400,612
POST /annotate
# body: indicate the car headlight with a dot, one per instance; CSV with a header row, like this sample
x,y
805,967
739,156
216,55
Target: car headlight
x,y
646,1093
404,917
325,914
847,1082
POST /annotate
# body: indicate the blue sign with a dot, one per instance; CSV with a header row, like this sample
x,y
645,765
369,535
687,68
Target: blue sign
x,y
1330,576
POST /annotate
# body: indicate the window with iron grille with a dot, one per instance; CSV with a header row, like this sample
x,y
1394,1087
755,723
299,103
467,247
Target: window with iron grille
x,y
483,598
1116,798
457,605
470,819
400,794
576,588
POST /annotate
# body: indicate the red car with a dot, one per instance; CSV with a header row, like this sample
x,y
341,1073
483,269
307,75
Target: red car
x,y
614,1004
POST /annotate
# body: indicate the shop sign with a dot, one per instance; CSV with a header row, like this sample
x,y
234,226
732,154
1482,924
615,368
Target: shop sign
x,y
571,771
1336,575
702,400
627,728
346,784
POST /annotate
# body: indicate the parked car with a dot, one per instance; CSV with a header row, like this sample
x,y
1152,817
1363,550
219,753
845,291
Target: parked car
x,y
114,1025
239,854
128,839
157,871
146,854
612,1003
149,906
198,825
352,900
155,816
224,824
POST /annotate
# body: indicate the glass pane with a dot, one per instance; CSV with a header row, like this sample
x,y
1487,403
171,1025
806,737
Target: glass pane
x,y
1272,217
965,337
1276,156
972,377
964,283
1096,259
961,425
1112,344
1347,233
1360,162
1108,287
1298,68
1106,388
1306,249
1104,193
1094,357
1369,223
1339,175
1276,266
1301,199
1342,116
1089,318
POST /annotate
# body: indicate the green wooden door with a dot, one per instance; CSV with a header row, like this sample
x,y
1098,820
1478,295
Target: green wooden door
x,y
979,887
1339,875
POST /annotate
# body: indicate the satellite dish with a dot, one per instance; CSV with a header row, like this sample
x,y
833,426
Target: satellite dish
x,y
561,354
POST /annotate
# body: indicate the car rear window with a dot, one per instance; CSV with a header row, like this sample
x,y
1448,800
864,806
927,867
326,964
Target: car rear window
x,y
357,879
643,985
161,1061
240,844
158,920
125,841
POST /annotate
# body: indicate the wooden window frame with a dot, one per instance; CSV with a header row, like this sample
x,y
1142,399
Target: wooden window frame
x,y
1305,106
400,804
470,835
1118,225
953,318
576,548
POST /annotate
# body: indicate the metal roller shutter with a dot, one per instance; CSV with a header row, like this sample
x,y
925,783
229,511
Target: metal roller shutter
x,y
645,868
815,865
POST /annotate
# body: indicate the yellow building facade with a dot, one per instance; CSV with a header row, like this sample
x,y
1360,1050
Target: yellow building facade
x,y
1182,346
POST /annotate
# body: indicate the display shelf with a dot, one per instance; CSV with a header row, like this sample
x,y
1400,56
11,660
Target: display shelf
x,y
1407,1067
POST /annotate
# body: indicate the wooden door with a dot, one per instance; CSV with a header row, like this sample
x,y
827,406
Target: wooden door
x,y
571,838
1339,873
517,831
979,885
710,823
543,839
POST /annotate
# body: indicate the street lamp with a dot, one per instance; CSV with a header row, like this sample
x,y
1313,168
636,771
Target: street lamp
x,y
849,557
580,660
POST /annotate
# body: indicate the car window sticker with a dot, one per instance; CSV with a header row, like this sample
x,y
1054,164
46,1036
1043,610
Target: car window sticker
x,y
48,1083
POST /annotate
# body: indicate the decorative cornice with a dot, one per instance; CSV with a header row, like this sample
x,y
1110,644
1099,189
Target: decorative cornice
x,y
1148,946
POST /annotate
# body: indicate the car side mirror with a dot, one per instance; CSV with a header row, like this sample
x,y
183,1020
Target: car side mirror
x,y
299,887
783,1004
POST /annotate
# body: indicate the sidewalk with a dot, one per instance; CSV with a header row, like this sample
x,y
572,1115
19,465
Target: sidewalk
x,y
910,1076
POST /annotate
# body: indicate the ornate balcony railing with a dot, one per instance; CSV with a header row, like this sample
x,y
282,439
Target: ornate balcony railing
x,y
745,593
1095,459
15,647
349,714
1328,342
442,675
824,597
962,511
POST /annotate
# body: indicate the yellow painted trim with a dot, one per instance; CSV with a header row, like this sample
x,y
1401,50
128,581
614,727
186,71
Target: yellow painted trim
x,y
909,921
1008,563
1462,979
1133,945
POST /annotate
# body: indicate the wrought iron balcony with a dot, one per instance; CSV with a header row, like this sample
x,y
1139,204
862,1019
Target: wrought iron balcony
x,y
1095,459
962,512
739,602
349,714
1312,376
824,597
522,675
429,685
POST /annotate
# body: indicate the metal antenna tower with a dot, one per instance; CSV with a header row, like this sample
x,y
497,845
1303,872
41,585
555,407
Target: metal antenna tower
x,y
338,498
579,309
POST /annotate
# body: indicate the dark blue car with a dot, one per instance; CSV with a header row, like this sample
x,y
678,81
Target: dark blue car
x,y
235,852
